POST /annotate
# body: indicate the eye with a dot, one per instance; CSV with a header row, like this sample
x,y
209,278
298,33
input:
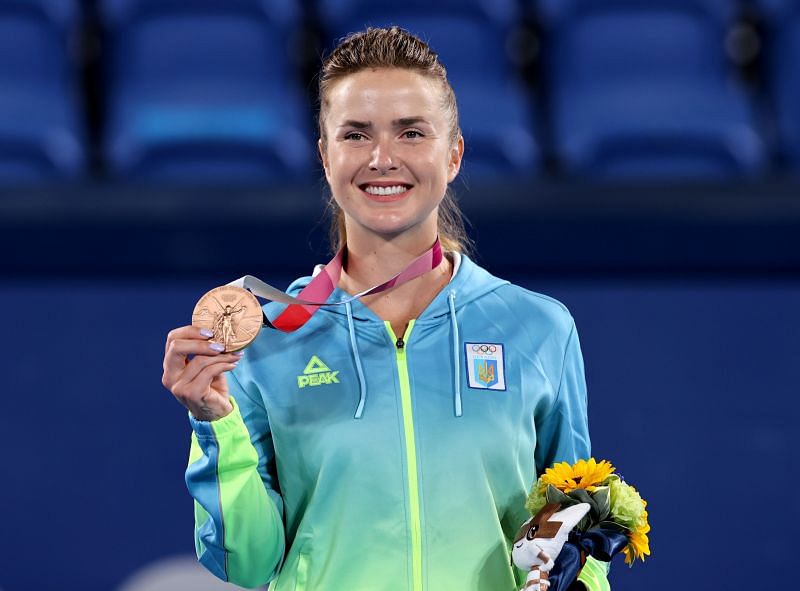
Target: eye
x,y
354,135
532,532
412,134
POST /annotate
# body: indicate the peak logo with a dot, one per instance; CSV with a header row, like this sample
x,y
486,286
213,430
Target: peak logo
x,y
317,373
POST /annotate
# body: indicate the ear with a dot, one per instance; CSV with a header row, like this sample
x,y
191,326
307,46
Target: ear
x,y
571,516
323,156
456,154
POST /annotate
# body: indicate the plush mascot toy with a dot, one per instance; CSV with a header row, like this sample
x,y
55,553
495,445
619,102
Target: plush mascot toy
x,y
540,540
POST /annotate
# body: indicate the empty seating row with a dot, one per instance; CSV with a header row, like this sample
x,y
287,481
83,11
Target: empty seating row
x,y
41,129
201,89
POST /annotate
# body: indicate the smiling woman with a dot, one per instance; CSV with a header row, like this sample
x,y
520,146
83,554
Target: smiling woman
x,y
390,443
388,158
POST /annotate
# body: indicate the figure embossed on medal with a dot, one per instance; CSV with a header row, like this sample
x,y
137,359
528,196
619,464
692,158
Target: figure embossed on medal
x,y
224,327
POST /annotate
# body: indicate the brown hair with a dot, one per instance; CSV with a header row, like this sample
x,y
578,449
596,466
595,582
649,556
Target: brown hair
x,y
392,48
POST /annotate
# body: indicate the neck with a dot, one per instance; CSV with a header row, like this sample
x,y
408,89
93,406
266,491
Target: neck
x,y
372,259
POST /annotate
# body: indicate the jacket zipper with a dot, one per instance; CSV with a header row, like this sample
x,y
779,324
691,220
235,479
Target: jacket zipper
x,y
411,454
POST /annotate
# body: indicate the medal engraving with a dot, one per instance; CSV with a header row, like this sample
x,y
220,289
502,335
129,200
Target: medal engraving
x,y
232,313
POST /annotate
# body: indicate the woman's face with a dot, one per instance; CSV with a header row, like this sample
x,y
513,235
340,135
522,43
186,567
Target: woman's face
x,y
388,157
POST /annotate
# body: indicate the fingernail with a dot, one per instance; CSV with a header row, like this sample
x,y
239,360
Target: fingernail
x,y
217,347
206,332
239,353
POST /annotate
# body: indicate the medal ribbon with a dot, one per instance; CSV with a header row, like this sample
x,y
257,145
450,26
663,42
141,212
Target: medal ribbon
x,y
300,309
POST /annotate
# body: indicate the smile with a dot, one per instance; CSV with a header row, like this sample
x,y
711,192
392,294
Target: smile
x,y
391,190
385,193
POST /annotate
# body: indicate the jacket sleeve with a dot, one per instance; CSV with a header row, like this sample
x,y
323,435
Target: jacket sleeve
x,y
562,434
239,532
562,428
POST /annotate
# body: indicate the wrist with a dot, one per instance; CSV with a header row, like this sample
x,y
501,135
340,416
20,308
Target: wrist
x,y
208,414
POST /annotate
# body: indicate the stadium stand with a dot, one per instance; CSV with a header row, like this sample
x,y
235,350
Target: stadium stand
x,y
199,90
202,90
781,53
644,90
42,134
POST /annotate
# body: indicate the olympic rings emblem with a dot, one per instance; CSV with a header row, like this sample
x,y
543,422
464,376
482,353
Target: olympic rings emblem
x,y
484,349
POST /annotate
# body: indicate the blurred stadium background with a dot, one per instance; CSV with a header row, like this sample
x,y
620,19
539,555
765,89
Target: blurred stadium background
x,y
636,159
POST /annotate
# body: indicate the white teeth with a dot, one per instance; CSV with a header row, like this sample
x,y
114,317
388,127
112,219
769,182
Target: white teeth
x,y
373,190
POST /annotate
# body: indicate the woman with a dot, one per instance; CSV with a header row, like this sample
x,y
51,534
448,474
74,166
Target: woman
x,y
389,443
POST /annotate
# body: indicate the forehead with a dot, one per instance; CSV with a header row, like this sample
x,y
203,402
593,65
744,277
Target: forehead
x,y
385,93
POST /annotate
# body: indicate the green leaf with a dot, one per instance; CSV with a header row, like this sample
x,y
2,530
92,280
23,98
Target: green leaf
x,y
585,523
614,526
582,496
554,495
602,499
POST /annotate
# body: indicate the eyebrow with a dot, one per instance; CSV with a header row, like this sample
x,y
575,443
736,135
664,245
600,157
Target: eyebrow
x,y
402,122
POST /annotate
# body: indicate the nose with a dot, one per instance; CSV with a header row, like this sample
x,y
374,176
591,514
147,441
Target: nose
x,y
383,159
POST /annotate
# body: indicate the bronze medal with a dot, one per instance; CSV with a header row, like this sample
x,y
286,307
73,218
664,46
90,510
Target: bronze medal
x,y
232,313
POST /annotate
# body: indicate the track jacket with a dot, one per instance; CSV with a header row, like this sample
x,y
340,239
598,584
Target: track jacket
x,y
360,460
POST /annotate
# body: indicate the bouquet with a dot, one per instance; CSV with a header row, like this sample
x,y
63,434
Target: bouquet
x,y
579,510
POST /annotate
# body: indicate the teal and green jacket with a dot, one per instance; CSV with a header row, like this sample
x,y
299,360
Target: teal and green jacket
x,y
357,459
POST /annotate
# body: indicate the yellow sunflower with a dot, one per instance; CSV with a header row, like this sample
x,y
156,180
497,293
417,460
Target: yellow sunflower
x,y
586,474
639,544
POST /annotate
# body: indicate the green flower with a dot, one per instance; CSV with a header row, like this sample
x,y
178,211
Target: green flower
x,y
627,507
536,500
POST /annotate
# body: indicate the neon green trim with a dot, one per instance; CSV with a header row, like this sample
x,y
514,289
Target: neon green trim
x,y
411,457
302,573
593,575
252,530
195,451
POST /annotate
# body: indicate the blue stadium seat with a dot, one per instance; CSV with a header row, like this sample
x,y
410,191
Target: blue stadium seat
x,y
470,37
782,54
203,90
42,135
643,89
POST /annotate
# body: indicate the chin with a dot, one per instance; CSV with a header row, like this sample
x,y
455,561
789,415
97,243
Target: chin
x,y
389,227
388,232
392,223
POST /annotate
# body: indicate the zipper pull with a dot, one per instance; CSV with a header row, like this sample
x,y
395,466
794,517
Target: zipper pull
x,y
400,343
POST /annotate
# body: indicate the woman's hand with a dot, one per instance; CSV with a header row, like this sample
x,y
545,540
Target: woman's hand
x,y
198,382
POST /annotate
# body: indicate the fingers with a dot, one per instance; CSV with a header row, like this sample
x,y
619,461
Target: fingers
x,y
195,368
215,402
182,342
198,382
188,332
186,347
194,391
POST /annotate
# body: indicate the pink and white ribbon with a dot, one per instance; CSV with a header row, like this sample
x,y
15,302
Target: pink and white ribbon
x,y
300,309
